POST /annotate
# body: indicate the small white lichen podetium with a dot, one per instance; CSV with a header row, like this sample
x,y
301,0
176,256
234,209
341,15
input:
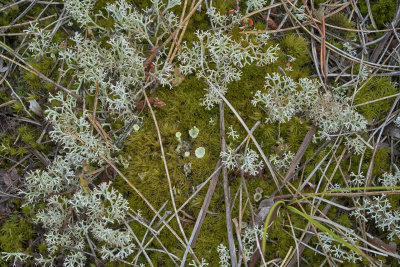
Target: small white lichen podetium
x,y
81,10
355,144
251,163
232,133
249,239
397,122
255,5
390,180
248,162
40,43
229,159
357,180
203,263
224,257
280,101
282,162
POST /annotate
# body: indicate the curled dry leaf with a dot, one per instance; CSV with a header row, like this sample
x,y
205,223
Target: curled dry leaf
x,y
178,77
272,24
154,101
35,107
8,179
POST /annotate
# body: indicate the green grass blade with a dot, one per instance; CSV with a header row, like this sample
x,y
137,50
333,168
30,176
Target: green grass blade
x,y
325,229
267,221
370,188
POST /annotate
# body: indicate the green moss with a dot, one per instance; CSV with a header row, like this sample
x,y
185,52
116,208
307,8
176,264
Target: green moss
x,y
4,97
296,46
42,248
59,36
293,131
8,147
376,88
18,107
14,234
318,2
199,21
344,220
341,20
100,5
9,14
279,242
34,82
381,162
382,10
29,135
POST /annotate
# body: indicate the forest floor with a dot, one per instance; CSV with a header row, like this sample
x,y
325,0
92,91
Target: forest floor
x,y
199,133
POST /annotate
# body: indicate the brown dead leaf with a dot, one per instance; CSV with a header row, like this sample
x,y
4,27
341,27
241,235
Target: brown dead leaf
x,y
272,24
178,77
153,101
9,179
158,103
391,247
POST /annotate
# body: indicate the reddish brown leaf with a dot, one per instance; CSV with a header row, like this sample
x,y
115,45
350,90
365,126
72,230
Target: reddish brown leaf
x,y
272,24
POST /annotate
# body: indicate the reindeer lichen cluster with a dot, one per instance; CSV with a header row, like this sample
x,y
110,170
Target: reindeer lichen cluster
x,y
248,162
218,59
285,98
337,251
114,73
378,209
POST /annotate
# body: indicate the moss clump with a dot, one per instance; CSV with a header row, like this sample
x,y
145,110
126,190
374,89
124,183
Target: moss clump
x,y
34,82
341,20
146,170
296,46
318,2
344,220
9,14
382,10
14,234
8,147
29,135
375,88
279,238
381,161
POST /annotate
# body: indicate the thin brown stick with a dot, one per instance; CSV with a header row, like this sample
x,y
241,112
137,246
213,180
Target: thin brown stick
x,y
27,23
2,105
203,212
299,155
357,194
96,97
231,242
34,71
